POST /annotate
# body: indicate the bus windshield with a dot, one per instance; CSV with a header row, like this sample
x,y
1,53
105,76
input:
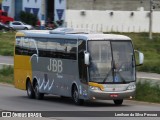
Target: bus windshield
x,y
111,62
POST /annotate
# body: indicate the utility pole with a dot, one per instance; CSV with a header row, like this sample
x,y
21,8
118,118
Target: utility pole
x,y
42,14
150,19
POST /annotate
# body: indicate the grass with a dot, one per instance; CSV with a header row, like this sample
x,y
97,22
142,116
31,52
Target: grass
x,y
7,43
6,75
151,50
147,92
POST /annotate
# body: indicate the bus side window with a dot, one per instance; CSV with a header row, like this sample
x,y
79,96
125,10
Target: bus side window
x,y
42,45
32,47
18,46
82,66
51,48
25,46
71,49
60,48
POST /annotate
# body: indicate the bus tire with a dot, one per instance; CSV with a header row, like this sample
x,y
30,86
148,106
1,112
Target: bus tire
x,y
38,95
75,96
30,91
118,102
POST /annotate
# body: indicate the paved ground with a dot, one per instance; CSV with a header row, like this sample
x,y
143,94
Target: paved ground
x,y
12,99
145,75
6,60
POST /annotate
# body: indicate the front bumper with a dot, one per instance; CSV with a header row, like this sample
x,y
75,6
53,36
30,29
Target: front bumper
x,y
102,95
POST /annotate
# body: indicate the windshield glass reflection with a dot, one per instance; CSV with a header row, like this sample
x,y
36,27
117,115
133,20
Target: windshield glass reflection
x,y
111,66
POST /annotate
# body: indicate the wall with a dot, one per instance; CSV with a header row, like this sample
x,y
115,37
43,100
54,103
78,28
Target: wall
x,y
31,5
60,9
120,21
10,4
120,5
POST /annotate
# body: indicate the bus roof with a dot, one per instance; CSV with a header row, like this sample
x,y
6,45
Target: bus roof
x,y
71,35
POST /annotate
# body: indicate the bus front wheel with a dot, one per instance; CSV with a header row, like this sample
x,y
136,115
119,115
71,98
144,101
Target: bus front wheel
x,y
118,102
30,91
38,95
75,97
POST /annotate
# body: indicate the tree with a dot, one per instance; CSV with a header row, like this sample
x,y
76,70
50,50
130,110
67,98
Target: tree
x,y
28,18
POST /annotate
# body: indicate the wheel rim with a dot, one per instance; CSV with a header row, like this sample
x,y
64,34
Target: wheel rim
x,y
75,96
36,90
29,89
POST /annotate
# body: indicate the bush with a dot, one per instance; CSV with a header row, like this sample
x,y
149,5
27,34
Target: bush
x,y
7,70
6,74
28,18
146,91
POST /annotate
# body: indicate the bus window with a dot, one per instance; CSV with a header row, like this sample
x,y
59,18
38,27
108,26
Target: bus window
x,y
33,47
51,48
123,61
60,47
18,46
42,45
82,66
25,46
100,61
71,49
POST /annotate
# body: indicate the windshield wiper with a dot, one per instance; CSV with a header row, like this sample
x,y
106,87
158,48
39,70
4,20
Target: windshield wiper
x,y
107,75
111,71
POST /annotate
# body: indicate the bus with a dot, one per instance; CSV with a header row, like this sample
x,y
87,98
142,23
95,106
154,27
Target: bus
x,y
74,63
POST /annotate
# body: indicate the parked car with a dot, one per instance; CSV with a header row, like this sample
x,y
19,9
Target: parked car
x,y
4,27
18,25
4,18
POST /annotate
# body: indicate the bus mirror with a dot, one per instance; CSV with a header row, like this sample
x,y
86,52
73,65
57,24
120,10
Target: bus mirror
x,y
86,58
141,58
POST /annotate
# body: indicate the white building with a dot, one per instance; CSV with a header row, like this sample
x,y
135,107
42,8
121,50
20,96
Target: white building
x,y
43,9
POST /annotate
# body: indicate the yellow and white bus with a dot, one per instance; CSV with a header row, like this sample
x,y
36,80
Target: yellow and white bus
x,y
77,64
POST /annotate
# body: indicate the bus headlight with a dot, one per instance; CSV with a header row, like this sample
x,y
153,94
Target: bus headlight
x,y
131,87
94,88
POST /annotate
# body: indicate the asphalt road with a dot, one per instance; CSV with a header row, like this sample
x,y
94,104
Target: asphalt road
x,y
6,60
12,99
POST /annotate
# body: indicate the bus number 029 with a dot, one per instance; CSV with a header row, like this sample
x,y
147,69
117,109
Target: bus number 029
x,y
55,65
